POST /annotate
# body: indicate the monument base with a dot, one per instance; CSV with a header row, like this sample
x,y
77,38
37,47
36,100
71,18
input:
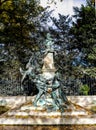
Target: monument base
x,y
27,114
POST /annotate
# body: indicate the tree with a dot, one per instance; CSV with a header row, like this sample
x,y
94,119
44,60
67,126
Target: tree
x,y
62,38
83,31
20,23
65,54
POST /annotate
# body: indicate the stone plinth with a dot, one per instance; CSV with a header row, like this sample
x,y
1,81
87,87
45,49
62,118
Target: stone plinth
x,y
48,69
26,114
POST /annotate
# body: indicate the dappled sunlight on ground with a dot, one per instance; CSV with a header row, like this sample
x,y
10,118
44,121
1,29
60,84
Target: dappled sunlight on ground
x,y
64,127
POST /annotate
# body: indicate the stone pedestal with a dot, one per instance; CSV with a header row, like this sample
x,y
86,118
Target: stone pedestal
x,y
27,114
48,69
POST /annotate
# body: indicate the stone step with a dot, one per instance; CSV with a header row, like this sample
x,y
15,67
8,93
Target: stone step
x,y
23,108
26,114
48,121
51,114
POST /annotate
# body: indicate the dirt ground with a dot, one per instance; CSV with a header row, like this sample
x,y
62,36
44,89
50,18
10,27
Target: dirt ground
x,y
63,127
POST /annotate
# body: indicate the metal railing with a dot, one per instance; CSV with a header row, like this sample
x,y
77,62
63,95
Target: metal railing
x,y
14,88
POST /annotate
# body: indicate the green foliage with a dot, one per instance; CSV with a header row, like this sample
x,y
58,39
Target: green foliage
x,y
19,28
18,21
84,89
83,31
91,71
92,55
63,39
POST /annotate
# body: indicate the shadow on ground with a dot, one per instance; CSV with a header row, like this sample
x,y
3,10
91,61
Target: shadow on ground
x,y
64,127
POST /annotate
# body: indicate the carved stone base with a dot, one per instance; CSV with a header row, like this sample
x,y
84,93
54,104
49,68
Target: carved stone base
x,y
27,114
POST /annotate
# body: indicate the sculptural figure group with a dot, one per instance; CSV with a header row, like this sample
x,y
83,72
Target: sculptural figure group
x,y
48,81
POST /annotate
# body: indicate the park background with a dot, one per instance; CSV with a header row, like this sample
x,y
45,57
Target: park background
x,y
23,28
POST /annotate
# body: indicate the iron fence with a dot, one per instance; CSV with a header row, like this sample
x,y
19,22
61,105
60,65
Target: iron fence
x,y
91,82
15,88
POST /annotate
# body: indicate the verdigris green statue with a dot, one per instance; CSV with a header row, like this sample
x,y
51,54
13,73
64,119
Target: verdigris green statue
x,y
51,90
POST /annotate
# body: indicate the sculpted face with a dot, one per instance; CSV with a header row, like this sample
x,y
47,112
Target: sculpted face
x,y
49,81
